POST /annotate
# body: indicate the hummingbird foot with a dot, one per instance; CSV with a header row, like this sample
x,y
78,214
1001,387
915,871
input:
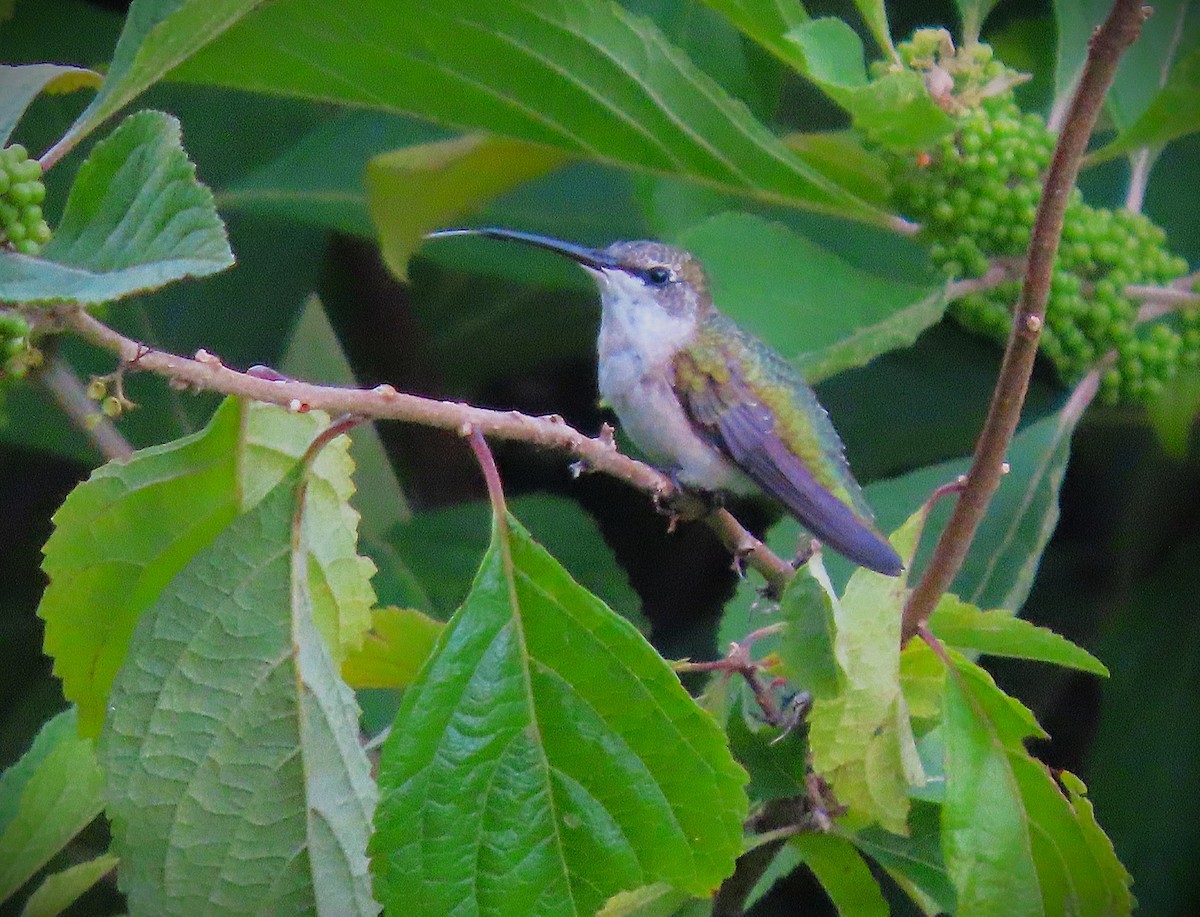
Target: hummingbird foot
x,y
682,503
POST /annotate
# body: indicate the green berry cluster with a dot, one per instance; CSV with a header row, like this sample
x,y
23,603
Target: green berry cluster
x,y
958,79
22,226
17,356
976,194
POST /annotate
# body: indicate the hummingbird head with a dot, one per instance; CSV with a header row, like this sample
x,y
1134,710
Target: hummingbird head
x,y
633,276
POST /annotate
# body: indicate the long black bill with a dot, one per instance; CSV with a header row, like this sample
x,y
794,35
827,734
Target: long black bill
x,y
588,257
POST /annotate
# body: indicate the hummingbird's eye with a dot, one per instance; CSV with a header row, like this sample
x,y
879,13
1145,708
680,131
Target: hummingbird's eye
x,y
658,276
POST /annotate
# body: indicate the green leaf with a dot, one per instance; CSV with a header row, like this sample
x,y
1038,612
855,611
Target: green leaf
x,y
1004,557
766,22
973,13
416,189
585,77
657,900
1014,844
998,633
319,179
62,889
842,874
913,860
235,775
443,547
861,738
895,109
842,156
158,34
393,650
136,219
547,758
1173,413
875,16
19,86
1146,715
46,798
1173,112
1167,37
126,532
818,310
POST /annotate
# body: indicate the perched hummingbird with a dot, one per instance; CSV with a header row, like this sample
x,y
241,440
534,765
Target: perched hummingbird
x,y
709,402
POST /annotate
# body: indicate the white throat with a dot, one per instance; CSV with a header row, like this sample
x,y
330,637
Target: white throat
x,y
634,327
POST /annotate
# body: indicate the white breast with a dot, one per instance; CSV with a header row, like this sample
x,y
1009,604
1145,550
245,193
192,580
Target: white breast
x,y
638,341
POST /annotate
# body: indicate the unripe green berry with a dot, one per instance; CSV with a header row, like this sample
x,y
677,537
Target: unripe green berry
x,y
111,407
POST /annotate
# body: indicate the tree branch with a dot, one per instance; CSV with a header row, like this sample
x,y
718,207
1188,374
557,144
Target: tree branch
x,y
207,372
1120,29
59,379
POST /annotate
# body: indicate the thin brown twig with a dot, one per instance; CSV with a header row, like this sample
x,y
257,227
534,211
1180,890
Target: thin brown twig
x,y
1120,29
59,379
207,372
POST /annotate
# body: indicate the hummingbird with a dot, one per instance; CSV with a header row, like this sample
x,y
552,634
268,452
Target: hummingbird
x,y
708,402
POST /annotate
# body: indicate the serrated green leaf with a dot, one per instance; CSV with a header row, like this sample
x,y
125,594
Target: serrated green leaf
x,y
46,798
998,633
122,535
235,777
21,85
158,34
136,219
861,737
393,650
842,874
782,287
922,677
416,189
62,889
895,109
585,77
1013,842
548,758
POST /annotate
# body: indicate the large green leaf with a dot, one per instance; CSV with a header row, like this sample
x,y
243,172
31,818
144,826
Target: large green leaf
x,y
60,890
1013,842
583,76
393,650
21,85
766,22
46,798
821,312
416,189
1000,633
548,758
236,780
126,532
136,219
158,34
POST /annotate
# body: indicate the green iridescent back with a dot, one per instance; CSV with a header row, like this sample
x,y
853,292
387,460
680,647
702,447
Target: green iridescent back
x,y
722,351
